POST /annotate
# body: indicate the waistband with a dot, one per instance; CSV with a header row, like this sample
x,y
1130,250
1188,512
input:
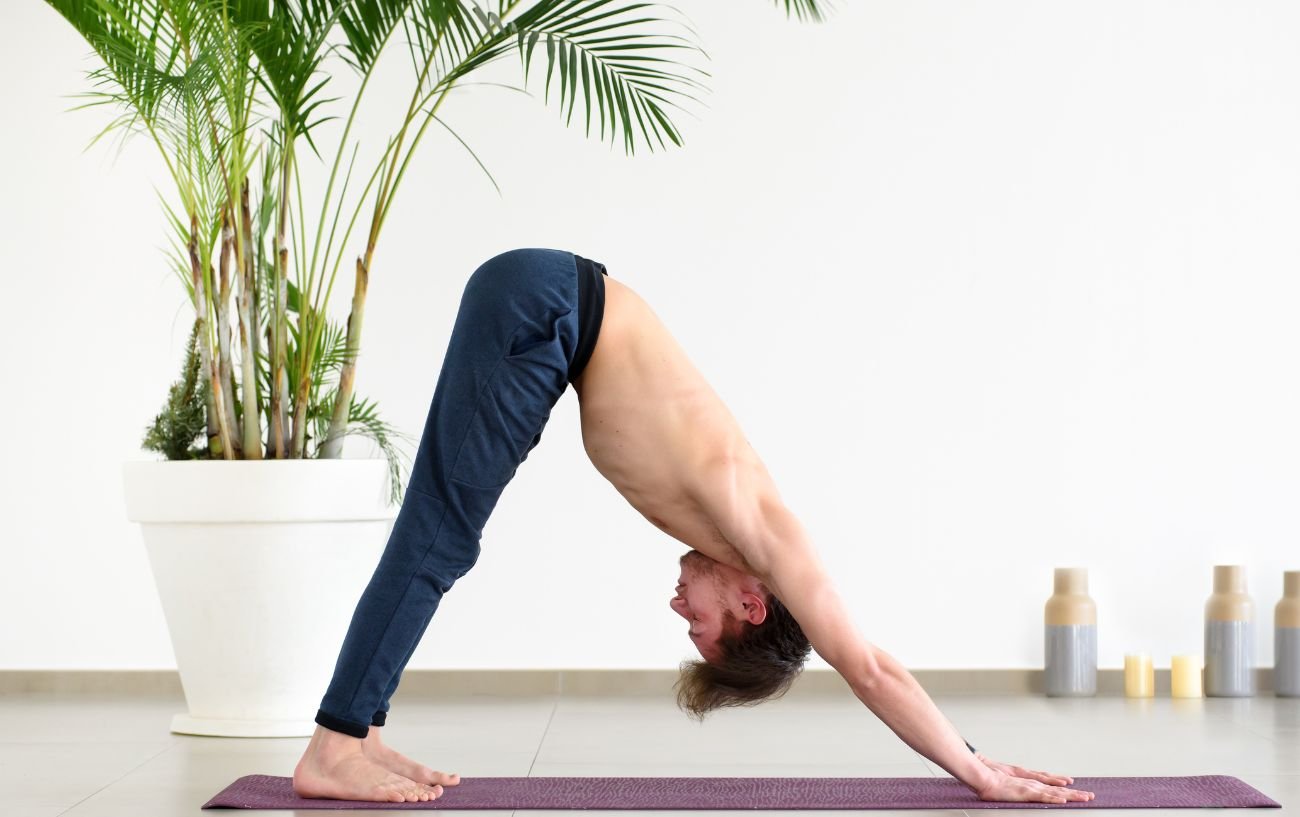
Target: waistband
x,y
591,309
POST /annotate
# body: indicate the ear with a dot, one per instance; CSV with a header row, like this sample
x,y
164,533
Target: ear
x,y
755,610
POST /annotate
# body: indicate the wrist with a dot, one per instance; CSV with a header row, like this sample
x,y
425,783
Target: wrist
x,y
985,779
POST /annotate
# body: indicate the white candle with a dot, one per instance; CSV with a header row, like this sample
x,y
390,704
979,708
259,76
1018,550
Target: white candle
x,y
1139,676
1185,676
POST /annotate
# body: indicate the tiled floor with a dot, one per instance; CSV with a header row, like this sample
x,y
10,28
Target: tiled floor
x,y
110,756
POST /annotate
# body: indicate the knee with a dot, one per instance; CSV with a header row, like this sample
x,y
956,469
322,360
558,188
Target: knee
x,y
444,569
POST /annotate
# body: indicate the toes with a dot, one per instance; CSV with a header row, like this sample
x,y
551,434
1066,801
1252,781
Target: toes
x,y
426,776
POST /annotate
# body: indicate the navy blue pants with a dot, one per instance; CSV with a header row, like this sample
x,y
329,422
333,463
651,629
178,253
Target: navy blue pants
x,y
507,363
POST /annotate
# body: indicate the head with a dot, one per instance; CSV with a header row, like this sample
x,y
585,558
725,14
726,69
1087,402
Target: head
x,y
752,647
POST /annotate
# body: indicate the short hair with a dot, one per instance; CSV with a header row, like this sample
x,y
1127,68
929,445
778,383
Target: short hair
x,y
757,664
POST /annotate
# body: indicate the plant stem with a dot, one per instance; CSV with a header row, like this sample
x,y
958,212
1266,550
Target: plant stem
x,y
223,448
332,447
279,376
225,367
329,188
252,437
308,317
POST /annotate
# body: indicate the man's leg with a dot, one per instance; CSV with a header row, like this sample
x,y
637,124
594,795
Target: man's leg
x,y
381,714
380,717
503,371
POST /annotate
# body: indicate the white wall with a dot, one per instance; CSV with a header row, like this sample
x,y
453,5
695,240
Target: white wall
x,y
992,287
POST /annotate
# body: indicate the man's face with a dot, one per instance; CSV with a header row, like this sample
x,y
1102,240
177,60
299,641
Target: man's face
x,y
700,599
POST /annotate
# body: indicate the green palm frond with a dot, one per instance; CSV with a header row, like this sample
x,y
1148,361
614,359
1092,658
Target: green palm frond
x,y
232,117
148,72
138,43
618,51
366,26
804,9
465,145
178,238
622,59
334,349
363,420
288,38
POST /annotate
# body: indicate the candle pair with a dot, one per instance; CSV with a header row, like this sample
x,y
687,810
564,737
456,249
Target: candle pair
x,y
1140,676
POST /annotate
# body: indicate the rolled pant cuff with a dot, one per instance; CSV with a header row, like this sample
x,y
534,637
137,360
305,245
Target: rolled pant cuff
x,y
356,730
379,718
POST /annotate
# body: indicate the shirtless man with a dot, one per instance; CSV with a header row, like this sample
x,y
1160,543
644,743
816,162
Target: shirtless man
x,y
753,588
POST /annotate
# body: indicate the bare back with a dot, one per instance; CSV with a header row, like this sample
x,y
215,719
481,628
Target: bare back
x,y
654,427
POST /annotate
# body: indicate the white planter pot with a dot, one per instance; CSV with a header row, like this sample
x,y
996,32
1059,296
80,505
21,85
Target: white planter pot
x,y
259,565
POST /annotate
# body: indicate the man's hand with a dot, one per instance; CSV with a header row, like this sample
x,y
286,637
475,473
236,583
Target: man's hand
x,y
1017,784
1020,771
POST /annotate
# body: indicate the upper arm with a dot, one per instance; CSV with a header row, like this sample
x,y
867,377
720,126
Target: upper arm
x,y
743,503
795,575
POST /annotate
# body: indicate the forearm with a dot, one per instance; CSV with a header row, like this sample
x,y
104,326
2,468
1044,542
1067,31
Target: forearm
x,y
779,552
876,678
904,706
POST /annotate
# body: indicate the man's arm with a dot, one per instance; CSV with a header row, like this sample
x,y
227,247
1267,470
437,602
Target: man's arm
x,y
775,545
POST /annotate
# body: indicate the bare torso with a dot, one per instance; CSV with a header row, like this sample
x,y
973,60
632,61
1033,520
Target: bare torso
x,y
654,427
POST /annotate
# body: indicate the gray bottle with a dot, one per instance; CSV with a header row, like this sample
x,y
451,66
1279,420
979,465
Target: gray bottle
x,y
1070,639
1286,638
1229,636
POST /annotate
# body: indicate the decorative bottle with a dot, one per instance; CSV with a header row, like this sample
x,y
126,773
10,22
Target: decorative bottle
x,y
1070,640
1286,638
1229,636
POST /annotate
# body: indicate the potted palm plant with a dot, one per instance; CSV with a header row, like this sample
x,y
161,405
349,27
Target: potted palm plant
x,y
255,525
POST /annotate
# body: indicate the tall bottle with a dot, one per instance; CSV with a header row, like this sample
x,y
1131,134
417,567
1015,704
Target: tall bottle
x,y
1229,636
1070,639
1286,638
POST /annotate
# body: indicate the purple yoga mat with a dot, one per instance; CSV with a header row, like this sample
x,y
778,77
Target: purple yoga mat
x,y
262,791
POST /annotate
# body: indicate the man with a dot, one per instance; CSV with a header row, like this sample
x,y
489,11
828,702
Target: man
x,y
530,322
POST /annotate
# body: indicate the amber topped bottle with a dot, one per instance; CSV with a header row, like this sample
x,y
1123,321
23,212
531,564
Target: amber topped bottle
x,y
1070,637
1286,638
1229,635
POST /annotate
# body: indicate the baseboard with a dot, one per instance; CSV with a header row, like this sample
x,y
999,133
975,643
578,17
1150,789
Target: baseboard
x,y
1110,682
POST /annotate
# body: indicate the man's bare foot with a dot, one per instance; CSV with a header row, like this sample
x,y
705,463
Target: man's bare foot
x,y
335,767
397,762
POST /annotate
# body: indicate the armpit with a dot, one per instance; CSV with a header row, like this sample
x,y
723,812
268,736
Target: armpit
x,y
735,499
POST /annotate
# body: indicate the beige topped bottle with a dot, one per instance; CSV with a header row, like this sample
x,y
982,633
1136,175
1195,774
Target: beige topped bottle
x,y
1229,635
1070,637
1286,638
